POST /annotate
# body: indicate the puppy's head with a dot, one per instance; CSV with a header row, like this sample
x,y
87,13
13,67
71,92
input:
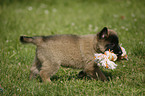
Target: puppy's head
x,y
108,40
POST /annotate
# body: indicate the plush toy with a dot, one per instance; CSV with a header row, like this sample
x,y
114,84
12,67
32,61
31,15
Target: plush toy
x,y
106,59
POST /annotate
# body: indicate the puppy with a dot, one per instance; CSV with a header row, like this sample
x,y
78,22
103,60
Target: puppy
x,y
71,51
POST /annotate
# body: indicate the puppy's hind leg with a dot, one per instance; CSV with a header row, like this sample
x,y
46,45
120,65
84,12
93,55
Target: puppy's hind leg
x,y
48,69
34,71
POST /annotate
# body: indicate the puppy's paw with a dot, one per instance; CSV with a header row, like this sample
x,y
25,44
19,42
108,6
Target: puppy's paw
x,y
81,74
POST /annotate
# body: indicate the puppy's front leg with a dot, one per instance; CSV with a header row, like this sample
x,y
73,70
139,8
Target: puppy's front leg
x,y
93,71
90,69
100,74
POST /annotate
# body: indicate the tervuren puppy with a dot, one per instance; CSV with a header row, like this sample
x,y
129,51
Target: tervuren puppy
x,y
71,51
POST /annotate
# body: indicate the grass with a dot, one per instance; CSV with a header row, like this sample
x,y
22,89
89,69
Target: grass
x,y
49,17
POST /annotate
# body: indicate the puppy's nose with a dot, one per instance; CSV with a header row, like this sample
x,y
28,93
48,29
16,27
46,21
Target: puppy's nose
x,y
120,52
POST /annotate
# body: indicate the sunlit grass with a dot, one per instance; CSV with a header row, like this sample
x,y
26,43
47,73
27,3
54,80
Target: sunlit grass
x,y
42,17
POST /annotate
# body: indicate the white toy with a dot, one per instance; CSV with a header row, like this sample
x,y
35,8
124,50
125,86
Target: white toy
x,y
124,55
106,59
102,60
111,56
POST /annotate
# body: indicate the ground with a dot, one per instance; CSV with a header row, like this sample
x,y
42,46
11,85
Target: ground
x,y
49,17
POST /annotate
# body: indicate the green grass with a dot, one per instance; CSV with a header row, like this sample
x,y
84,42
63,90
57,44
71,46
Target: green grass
x,y
48,17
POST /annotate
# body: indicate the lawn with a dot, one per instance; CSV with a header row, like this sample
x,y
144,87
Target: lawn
x,y
49,17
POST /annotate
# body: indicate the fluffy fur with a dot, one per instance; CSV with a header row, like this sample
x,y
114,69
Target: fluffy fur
x,y
70,51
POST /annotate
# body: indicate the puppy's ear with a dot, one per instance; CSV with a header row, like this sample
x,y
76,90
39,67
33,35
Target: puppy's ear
x,y
103,33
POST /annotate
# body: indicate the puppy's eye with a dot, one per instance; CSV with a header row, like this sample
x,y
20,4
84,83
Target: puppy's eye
x,y
112,44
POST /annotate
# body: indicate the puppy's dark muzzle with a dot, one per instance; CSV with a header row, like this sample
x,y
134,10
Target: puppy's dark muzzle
x,y
116,49
119,53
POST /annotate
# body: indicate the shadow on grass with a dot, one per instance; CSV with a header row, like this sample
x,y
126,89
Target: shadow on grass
x,y
74,77
77,77
108,75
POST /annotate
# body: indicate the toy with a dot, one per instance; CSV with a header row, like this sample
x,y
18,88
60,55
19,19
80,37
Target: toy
x,y
124,55
111,56
106,59
102,60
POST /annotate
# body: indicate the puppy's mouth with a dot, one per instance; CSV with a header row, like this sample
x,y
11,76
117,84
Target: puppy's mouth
x,y
117,53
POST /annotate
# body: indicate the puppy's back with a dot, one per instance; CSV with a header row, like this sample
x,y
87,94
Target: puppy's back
x,y
60,49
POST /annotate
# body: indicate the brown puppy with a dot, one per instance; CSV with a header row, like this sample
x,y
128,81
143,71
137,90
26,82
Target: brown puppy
x,y
71,51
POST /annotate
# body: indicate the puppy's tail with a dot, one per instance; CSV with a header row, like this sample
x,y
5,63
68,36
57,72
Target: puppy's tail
x,y
33,40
